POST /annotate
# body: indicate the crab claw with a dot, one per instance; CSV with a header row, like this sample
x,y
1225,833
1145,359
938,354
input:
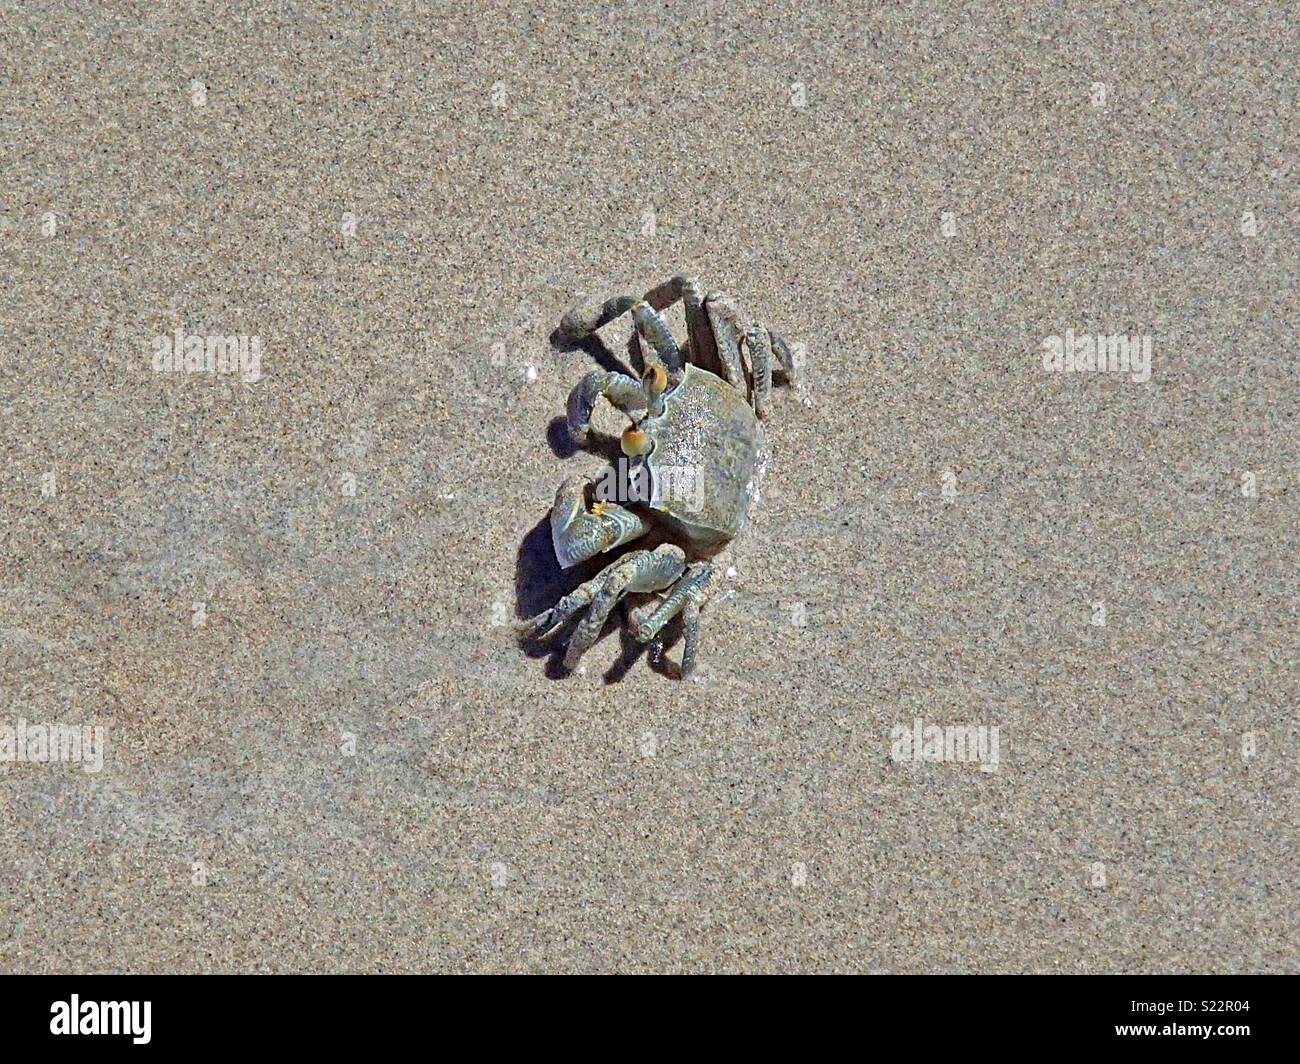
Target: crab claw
x,y
578,533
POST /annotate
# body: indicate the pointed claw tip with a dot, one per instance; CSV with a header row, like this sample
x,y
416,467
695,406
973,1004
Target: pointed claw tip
x,y
566,560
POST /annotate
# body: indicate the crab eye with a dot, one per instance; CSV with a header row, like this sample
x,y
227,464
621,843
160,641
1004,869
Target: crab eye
x,y
634,442
656,380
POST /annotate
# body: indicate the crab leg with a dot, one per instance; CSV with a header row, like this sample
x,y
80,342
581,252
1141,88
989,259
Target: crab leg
x,y
650,324
784,355
760,361
642,570
686,598
626,393
726,337
576,325
703,348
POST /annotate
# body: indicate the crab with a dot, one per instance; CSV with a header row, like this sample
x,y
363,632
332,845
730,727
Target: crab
x,y
695,451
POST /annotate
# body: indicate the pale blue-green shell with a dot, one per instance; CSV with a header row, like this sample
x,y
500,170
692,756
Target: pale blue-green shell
x,y
707,457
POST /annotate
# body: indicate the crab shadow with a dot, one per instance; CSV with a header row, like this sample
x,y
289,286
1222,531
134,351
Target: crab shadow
x,y
562,445
600,353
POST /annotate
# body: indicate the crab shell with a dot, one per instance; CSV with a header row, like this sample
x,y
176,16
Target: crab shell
x,y
708,430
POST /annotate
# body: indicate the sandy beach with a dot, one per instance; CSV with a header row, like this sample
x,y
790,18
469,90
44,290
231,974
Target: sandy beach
x,y
1038,480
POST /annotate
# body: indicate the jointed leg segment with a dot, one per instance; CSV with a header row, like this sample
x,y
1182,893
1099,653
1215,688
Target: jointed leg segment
x,y
726,338
641,570
760,361
687,598
623,391
715,336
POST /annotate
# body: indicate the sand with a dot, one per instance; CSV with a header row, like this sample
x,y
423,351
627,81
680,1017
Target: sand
x,y
289,602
